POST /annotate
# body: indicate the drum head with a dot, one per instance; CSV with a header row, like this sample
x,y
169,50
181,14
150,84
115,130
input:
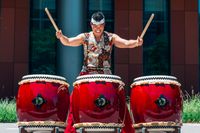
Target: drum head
x,y
156,79
98,77
43,77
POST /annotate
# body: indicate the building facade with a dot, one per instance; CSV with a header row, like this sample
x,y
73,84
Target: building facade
x,y
28,44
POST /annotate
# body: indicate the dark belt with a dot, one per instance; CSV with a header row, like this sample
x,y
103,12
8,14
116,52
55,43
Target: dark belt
x,y
97,68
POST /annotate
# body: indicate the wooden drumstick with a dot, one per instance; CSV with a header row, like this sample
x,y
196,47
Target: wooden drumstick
x,y
147,25
51,19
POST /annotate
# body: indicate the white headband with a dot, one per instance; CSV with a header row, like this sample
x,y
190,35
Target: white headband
x,y
97,22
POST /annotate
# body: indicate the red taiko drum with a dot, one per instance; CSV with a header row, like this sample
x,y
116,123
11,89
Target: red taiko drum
x,y
98,98
156,98
42,98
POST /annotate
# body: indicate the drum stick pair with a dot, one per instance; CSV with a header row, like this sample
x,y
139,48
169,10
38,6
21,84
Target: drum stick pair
x,y
141,36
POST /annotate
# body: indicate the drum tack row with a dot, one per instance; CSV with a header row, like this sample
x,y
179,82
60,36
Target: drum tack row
x,y
98,103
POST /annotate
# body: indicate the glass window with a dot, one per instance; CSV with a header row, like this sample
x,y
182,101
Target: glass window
x,y
199,30
105,6
42,38
156,48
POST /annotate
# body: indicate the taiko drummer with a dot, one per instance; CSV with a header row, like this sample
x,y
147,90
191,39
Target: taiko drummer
x,y
98,46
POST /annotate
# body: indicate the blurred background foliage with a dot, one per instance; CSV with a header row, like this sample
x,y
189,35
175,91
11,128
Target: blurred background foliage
x,y
157,57
43,51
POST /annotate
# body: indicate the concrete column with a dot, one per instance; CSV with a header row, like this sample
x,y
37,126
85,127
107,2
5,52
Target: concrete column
x,y
72,21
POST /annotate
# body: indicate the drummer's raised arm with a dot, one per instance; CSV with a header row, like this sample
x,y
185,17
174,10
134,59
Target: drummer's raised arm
x,y
72,41
123,43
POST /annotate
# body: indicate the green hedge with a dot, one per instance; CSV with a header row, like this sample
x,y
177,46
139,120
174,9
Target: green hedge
x,y
8,110
191,109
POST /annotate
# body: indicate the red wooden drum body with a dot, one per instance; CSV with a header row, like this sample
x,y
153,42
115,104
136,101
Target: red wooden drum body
x,y
98,98
156,98
42,98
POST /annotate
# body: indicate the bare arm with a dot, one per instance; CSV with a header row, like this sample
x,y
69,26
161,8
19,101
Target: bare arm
x,y
73,41
123,43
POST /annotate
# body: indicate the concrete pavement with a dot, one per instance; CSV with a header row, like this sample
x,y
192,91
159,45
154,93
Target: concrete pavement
x,y
12,128
190,128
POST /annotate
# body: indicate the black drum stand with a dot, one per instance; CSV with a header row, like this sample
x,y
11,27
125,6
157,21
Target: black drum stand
x,y
158,127
98,128
41,127
41,130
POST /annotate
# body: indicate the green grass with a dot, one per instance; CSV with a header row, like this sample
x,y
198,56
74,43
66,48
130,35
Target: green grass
x,y
191,109
8,110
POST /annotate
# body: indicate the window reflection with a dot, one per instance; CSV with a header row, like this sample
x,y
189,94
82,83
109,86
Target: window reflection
x,y
105,6
156,41
199,24
42,38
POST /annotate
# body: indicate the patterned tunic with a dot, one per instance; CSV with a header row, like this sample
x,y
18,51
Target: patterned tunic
x,y
97,55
